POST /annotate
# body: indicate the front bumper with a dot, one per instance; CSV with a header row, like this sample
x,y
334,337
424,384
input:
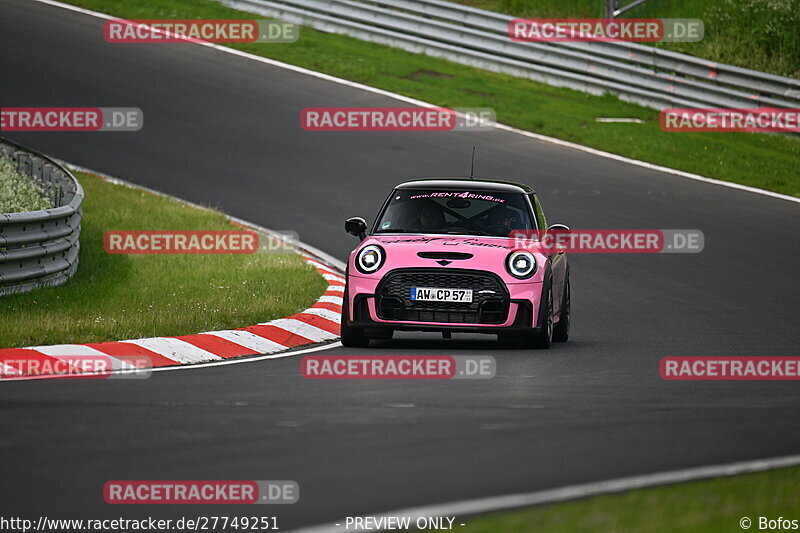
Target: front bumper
x,y
497,307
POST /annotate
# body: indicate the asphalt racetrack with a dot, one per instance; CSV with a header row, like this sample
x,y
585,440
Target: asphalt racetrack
x,y
224,130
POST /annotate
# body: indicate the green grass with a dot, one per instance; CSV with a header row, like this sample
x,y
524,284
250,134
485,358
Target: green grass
x,y
18,192
757,34
117,297
766,161
714,505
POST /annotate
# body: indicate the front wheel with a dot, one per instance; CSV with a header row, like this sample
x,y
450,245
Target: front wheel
x,y
351,336
544,339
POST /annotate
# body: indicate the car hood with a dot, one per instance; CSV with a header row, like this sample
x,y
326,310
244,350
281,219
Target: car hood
x,y
403,251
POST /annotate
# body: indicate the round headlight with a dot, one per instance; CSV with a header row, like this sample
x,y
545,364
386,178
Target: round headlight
x,y
521,264
370,259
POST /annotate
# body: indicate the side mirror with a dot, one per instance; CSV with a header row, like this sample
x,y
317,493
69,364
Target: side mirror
x,y
357,227
559,227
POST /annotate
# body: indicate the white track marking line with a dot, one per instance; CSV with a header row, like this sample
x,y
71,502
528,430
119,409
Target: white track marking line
x,y
572,492
335,288
421,103
175,349
301,328
333,316
249,340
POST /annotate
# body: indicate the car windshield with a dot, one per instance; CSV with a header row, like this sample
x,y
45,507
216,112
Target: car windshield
x,y
470,212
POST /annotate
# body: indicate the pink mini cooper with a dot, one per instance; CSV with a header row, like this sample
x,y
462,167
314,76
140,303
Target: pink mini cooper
x,y
441,257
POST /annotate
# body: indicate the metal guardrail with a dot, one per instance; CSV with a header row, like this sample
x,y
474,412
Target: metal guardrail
x,y
641,74
40,248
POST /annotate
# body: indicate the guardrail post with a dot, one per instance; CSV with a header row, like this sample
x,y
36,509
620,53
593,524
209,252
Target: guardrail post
x,y
611,6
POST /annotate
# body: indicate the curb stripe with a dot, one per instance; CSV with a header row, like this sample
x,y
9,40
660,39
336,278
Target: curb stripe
x,y
324,313
319,322
57,350
249,340
305,329
13,357
216,345
173,348
129,349
68,352
280,335
335,307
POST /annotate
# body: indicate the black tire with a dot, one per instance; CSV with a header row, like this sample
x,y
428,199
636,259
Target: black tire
x,y
351,337
544,339
561,331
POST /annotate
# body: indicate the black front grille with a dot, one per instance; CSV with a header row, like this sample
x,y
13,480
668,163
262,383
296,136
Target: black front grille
x,y
453,256
489,296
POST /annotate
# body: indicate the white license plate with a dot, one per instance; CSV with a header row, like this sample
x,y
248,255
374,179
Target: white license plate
x,y
434,294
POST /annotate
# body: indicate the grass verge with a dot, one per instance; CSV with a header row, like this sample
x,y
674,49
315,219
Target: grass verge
x,y
18,192
769,162
756,34
117,297
700,506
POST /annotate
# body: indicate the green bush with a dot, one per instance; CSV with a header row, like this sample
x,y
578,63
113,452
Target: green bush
x,y
19,192
763,31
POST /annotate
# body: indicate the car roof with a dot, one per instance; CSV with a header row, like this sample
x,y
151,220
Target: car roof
x,y
466,183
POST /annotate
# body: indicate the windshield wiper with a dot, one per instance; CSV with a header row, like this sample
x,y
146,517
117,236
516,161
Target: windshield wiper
x,y
467,232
